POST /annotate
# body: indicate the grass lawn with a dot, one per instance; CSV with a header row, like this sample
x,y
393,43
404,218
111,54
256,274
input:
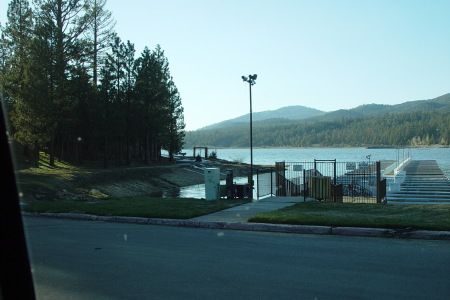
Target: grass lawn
x,y
140,206
429,217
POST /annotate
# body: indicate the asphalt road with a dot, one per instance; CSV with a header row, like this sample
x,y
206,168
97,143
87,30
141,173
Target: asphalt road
x,y
95,260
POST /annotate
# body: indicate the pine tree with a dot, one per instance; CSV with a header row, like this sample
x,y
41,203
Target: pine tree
x,y
15,42
15,47
175,122
129,82
144,97
100,34
66,23
32,116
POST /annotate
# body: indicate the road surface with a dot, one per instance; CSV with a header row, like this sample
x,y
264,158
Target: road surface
x,y
95,260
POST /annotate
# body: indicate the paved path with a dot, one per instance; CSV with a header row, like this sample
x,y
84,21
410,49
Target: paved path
x,y
425,183
241,213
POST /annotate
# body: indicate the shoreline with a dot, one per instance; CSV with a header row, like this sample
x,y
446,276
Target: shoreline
x,y
210,148
88,184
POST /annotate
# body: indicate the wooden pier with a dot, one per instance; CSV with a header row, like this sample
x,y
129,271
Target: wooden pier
x,y
425,183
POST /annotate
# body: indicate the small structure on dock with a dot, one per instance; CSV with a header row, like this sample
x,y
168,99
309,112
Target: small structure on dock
x,y
204,148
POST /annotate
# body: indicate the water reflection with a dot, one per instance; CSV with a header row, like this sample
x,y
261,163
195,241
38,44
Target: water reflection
x,y
192,191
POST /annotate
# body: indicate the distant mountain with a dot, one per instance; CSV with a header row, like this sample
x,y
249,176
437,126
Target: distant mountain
x,y
372,110
288,114
422,122
296,112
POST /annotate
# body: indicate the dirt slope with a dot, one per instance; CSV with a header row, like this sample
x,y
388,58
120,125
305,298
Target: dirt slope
x,y
81,183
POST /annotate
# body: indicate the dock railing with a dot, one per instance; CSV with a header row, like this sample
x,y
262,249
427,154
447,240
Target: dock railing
x,y
326,180
394,173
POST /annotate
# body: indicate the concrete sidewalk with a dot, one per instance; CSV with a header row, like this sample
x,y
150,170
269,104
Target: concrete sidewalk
x,y
243,212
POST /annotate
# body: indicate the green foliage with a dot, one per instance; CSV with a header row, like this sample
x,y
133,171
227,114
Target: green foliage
x,y
213,155
52,56
415,128
142,206
431,217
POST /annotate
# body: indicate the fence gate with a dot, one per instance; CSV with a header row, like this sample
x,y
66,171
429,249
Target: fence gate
x,y
327,180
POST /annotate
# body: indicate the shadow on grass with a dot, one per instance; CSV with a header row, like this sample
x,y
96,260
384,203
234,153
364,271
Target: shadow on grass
x,y
429,217
141,206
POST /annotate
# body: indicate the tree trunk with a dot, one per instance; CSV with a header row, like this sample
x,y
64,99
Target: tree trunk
x,y
105,154
36,155
52,151
146,149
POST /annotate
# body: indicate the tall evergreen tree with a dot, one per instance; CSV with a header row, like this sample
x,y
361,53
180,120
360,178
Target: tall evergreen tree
x,y
33,112
129,83
146,92
49,60
100,34
15,47
175,122
15,42
160,103
66,21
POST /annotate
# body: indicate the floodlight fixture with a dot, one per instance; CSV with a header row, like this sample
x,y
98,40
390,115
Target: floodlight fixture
x,y
251,81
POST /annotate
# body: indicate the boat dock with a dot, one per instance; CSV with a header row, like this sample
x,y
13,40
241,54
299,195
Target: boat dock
x,y
425,183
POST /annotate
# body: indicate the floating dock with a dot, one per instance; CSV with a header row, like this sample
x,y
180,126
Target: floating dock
x,y
425,183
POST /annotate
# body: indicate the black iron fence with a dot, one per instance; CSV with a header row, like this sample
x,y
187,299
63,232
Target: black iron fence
x,y
327,180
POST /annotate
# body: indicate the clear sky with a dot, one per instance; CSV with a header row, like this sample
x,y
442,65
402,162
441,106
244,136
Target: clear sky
x,y
324,54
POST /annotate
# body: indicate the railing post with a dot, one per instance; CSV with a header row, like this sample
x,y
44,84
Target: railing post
x,y
257,184
271,181
334,183
378,164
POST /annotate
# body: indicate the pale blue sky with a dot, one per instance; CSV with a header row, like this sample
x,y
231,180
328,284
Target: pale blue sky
x,y
324,54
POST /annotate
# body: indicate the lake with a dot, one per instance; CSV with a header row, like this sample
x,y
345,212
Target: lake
x,y
270,156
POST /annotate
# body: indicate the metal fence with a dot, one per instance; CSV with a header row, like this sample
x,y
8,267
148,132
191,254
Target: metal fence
x,y
327,180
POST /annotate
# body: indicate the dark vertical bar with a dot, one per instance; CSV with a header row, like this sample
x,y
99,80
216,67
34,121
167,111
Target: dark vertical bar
x,y
378,182
251,139
257,184
16,280
271,181
334,184
304,184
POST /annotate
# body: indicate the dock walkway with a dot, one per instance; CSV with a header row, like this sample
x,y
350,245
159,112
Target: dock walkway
x,y
425,183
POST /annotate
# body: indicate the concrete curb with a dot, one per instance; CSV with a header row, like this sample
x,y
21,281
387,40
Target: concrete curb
x,y
296,229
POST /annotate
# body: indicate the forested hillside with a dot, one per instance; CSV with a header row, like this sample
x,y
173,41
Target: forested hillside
x,y
280,115
416,128
439,103
74,89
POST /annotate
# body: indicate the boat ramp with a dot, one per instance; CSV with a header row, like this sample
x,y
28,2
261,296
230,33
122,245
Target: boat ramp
x,y
423,182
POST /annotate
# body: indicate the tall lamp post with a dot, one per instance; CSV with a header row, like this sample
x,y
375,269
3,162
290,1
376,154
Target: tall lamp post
x,y
251,79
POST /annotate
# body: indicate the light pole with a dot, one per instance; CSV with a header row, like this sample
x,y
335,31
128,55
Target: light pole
x,y
251,79
368,157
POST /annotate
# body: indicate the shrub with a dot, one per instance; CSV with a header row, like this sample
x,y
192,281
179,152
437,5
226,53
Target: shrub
x,y
213,155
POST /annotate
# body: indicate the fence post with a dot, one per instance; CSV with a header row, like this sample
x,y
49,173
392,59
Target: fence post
x,y
271,181
378,164
304,184
334,183
257,184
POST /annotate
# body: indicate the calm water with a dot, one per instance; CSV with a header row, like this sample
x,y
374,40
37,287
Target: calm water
x,y
270,156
